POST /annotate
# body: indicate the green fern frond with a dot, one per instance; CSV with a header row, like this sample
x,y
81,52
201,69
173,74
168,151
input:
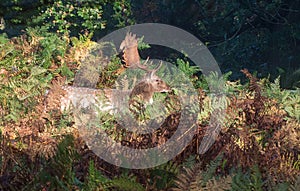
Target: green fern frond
x,y
142,45
292,105
241,182
248,181
163,175
211,169
189,162
186,68
126,183
256,177
95,180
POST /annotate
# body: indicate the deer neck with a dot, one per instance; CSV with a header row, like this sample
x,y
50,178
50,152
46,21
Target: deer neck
x,y
142,90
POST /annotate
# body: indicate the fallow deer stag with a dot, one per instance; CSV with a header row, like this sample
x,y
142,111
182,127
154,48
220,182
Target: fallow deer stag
x,y
87,97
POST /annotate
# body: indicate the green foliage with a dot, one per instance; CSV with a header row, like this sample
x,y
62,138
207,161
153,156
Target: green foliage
x,y
8,52
109,74
126,183
257,182
66,16
162,177
241,181
213,82
186,68
18,95
189,162
66,120
274,90
289,99
95,180
211,169
194,178
289,78
292,104
257,35
29,63
36,58
281,187
58,172
17,11
52,47
246,181
122,13
142,45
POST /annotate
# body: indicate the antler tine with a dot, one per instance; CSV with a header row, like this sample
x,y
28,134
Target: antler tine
x,y
152,73
144,67
129,41
157,68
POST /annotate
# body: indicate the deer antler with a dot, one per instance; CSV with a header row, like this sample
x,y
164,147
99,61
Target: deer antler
x,y
129,46
131,56
144,67
157,68
152,72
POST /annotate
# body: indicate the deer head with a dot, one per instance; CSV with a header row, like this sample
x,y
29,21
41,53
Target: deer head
x,y
149,85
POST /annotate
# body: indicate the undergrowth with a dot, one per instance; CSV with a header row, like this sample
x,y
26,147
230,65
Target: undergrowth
x,y
257,148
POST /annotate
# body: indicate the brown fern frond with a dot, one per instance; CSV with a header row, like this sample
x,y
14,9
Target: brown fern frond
x,y
295,183
258,104
253,83
52,102
27,44
189,179
46,148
